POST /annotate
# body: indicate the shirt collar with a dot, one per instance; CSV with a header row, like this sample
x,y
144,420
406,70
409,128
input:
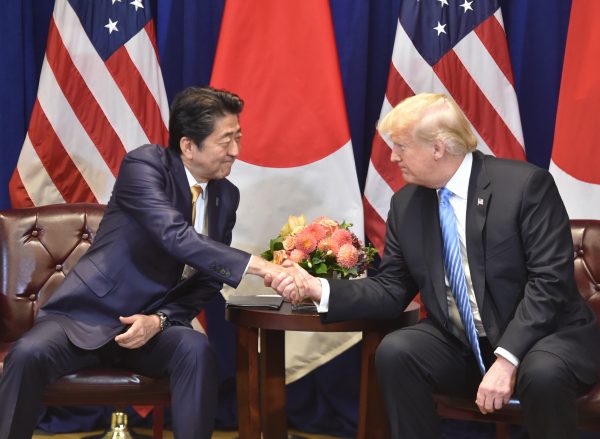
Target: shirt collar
x,y
192,182
459,183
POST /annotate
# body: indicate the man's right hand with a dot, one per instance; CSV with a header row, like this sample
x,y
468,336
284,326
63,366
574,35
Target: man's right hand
x,y
294,282
281,284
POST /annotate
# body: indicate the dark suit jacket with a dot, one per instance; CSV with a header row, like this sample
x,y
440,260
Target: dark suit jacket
x,y
143,242
520,254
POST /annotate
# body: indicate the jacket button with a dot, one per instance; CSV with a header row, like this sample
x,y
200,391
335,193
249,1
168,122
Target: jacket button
x,y
32,297
85,236
34,233
58,267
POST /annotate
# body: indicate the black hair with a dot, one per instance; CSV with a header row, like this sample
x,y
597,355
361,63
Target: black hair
x,y
195,110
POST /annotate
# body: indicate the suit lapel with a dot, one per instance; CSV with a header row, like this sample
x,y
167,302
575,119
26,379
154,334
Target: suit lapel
x,y
478,200
214,207
183,200
432,240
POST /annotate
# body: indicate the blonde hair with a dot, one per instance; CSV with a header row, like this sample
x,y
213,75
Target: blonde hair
x,y
430,117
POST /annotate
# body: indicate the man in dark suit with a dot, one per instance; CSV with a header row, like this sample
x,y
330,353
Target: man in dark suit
x,y
534,334
125,303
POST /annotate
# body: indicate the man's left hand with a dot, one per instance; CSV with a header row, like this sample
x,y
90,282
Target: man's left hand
x,y
497,386
141,329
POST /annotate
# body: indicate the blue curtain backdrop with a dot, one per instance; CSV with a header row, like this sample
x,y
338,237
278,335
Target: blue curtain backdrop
x,y
187,32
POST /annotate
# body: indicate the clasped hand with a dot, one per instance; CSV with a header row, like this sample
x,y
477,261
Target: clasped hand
x,y
293,283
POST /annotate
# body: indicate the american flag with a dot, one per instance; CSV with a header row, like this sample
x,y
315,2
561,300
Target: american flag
x,y
456,47
101,94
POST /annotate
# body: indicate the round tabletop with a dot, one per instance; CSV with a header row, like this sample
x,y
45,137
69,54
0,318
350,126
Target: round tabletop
x,y
285,319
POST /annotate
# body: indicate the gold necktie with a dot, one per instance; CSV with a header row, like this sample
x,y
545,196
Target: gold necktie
x,y
196,193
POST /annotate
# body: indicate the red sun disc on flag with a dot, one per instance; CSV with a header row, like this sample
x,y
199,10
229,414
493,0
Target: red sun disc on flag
x,y
294,110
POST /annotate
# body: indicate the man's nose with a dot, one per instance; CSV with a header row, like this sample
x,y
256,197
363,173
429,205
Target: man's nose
x,y
234,148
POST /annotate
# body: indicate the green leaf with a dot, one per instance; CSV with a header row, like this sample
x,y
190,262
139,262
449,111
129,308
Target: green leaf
x,y
276,244
321,268
268,255
345,225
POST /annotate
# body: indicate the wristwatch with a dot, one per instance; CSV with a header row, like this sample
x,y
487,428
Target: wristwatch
x,y
164,320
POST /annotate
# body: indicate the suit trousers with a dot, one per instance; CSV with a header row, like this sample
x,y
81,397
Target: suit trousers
x,y
44,354
414,363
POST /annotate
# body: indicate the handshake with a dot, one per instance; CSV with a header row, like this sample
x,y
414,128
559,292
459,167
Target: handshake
x,y
289,280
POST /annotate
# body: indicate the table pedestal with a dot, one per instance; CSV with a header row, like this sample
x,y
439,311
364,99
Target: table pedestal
x,y
261,399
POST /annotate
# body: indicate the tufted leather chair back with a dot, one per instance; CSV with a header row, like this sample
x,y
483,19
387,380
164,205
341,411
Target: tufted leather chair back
x,y
38,247
586,243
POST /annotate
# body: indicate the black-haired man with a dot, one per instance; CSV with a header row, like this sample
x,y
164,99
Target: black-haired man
x,y
125,301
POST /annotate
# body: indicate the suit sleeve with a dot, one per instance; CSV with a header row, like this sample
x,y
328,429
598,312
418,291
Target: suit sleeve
x,y
201,289
383,296
191,300
140,190
548,246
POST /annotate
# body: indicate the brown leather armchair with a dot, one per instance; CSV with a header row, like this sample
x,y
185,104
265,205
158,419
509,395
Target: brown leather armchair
x,y
38,247
586,243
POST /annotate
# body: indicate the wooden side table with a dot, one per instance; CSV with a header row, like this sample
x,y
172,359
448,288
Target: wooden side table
x,y
261,399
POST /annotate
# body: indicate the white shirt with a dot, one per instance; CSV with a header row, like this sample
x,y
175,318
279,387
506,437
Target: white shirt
x,y
200,225
200,203
459,186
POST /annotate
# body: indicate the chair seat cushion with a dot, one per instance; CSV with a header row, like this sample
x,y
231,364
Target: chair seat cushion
x,y
588,409
100,386
107,386
589,404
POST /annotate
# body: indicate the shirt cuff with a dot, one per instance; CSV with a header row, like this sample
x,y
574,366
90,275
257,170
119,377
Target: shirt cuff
x,y
507,356
323,306
247,265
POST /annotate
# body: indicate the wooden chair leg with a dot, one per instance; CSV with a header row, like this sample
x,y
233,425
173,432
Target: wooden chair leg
x,y
502,430
158,420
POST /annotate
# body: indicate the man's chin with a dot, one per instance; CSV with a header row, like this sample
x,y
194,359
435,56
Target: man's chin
x,y
408,178
223,174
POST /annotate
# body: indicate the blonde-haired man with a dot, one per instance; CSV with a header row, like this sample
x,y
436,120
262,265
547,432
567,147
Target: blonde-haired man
x,y
487,243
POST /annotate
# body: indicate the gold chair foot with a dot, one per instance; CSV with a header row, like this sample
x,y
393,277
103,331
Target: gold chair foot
x,y
118,429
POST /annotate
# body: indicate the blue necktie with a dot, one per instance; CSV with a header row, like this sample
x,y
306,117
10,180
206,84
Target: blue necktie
x,y
456,274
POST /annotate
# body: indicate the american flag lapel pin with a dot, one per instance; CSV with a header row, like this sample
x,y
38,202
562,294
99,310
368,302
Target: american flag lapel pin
x,y
480,201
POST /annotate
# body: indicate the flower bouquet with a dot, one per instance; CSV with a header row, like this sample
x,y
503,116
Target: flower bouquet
x,y
324,248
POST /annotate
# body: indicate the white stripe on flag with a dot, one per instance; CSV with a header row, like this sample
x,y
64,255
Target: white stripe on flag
x,y
576,194
35,179
411,66
419,75
97,77
385,109
491,80
138,48
66,125
498,16
378,192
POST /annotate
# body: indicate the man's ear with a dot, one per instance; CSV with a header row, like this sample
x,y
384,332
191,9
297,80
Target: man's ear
x,y
186,144
439,149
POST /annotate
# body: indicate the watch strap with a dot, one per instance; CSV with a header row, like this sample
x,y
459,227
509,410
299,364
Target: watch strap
x,y
163,319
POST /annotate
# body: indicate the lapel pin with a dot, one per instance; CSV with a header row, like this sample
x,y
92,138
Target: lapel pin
x,y
480,201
